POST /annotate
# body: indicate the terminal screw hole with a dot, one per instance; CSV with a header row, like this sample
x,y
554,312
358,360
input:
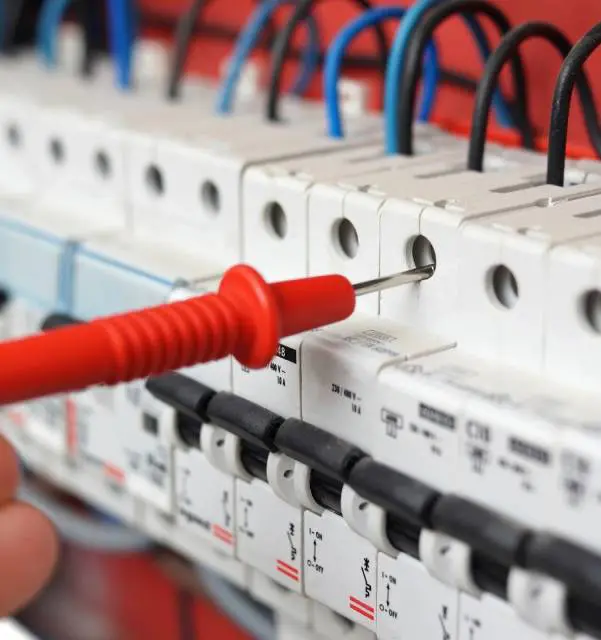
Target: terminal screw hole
x,y
503,287
155,180
347,238
422,252
591,310
103,165
210,197
276,220
57,151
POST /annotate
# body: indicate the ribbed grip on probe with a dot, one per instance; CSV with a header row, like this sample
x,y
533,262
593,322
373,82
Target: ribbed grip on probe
x,y
169,337
246,319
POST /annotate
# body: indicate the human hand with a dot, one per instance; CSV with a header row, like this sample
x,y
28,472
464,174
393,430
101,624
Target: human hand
x,y
28,542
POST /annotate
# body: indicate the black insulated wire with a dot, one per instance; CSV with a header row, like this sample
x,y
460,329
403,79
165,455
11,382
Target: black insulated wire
x,y
12,14
183,36
91,19
457,79
490,78
570,74
412,69
282,46
184,31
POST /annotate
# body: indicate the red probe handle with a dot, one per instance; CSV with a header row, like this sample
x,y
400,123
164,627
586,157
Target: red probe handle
x,y
246,319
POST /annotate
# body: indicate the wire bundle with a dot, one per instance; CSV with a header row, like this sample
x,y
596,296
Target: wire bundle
x,y
413,50
121,14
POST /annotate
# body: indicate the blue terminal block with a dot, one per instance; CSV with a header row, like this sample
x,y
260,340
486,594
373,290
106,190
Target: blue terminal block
x,y
35,264
122,272
104,285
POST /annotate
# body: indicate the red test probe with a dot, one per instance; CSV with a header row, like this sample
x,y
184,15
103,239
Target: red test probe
x,y
246,318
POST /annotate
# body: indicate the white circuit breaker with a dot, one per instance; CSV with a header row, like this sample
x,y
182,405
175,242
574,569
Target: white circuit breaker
x,y
348,232
572,323
340,367
478,385
269,516
275,197
413,604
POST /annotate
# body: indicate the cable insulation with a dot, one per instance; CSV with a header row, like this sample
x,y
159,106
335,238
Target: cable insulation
x,y
11,12
335,57
215,31
422,35
248,40
570,74
183,36
398,60
185,28
121,14
91,20
490,78
49,21
282,46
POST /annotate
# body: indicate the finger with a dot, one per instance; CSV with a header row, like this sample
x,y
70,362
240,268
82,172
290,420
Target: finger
x,y
9,472
28,553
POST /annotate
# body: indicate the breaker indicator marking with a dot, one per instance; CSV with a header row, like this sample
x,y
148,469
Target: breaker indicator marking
x,y
362,608
288,570
222,534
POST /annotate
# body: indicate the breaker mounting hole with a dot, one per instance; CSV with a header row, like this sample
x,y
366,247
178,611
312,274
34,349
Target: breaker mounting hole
x,y
210,196
362,506
346,238
422,252
155,180
591,310
103,165
220,442
57,151
276,220
503,287
13,135
288,474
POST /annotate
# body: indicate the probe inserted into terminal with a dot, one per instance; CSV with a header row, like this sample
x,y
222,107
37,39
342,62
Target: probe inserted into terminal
x,y
246,318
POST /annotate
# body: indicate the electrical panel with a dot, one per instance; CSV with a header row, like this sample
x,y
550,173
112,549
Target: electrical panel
x,y
428,468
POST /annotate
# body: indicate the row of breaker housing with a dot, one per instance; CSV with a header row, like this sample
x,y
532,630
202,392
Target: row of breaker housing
x,y
125,195
317,515
111,203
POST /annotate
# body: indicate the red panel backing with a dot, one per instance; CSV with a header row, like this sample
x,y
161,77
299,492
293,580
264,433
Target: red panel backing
x,y
575,17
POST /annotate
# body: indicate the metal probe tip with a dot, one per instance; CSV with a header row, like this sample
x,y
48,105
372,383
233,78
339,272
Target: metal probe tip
x,y
396,280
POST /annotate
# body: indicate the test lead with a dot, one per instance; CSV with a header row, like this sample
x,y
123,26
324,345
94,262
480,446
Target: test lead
x,y
246,318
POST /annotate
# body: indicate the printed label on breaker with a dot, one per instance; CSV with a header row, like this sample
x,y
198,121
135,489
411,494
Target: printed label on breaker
x,y
149,453
418,437
374,341
277,387
512,451
340,568
489,618
579,491
269,534
204,498
413,604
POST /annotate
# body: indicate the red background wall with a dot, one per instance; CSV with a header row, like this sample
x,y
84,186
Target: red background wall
x,y
458,52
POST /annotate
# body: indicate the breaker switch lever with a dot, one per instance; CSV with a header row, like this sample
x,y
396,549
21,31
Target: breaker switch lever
x,y
246,318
